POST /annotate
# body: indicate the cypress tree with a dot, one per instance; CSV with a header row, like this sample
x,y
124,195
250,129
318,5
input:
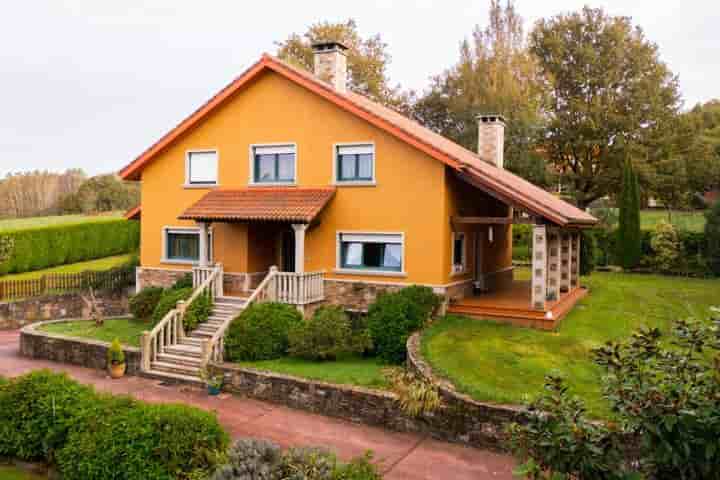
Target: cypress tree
x,y
629,235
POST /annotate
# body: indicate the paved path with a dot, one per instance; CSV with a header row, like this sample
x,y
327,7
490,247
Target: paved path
x,y
402,455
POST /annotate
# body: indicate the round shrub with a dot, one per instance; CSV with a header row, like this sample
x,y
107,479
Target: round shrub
x,y
325,336
141,441
391,320
198,312
250,459
261,331
142,305
666,247
712,237
424,297
587,252
168,301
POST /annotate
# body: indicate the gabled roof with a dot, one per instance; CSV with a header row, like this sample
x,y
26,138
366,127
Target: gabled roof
x,y
495,181
289,204
134,213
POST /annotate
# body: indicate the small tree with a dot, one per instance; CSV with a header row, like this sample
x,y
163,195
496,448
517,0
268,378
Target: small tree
x,y
587,252
666,246
712,236
629,235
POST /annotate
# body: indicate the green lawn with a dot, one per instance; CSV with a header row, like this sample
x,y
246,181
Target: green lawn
x,y
33,222
12,473
127,330
97,265
693,221
501,363
351,370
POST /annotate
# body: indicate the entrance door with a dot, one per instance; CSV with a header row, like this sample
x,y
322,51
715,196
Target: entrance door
x,y
288,251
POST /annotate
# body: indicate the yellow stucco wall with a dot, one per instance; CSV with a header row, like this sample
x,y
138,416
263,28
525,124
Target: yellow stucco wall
x,y
410,197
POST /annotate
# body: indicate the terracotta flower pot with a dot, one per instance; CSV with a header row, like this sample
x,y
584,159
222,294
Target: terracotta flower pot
x,y
117,370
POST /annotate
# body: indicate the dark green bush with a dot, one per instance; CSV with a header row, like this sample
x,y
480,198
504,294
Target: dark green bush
x,y
143,304
324,336
198,312
712,235
261,331
424,297
168,301
587,253
186,281
391,320
44,247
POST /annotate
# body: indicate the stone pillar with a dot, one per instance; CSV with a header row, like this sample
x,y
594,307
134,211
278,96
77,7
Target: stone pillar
x,y
539,267
299,246
553,254
565,260
575,261
203,261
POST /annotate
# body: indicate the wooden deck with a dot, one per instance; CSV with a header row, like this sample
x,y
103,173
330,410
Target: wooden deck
x,y
512,305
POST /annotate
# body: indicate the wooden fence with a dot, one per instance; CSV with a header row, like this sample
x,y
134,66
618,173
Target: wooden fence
x,y
56,283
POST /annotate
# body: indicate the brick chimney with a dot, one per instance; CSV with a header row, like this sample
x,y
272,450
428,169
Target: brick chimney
x,y
330,61
491,138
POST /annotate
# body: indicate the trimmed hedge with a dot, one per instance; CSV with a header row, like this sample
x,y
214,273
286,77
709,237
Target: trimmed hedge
x,y
261,332
45,247
49,417
168,301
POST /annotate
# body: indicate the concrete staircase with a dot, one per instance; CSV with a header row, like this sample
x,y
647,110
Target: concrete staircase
x,y
181,362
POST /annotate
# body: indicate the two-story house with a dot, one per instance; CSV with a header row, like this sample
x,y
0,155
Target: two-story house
x,y
289,169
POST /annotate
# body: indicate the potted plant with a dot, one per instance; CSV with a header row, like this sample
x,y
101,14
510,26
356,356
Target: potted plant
x,y
213,382
116,359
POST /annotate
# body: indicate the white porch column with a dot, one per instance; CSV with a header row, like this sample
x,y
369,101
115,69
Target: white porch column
x,y
575,260
299,246
538,286
554,263
203,261
566,260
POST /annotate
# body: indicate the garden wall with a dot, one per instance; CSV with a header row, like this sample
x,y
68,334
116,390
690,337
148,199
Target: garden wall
x,y
17,314
459,420
75,351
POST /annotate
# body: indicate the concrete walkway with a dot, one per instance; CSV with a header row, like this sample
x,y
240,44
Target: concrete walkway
x,y
401,455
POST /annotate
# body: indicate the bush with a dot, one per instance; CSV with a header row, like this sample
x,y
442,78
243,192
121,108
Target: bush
x,y
143,304
186,281
44,247
261,331
325,336
712,235
307,463
198,312
666,245
424,297
250,459
391,320
168,301
360,468
587,253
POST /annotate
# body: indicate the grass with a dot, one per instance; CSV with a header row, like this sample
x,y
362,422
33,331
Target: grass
x,y
350,370
99,264
35,222
693,221
12,473
504,364
127,330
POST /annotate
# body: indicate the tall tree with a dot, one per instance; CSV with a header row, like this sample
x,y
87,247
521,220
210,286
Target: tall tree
x,y
608,92
629,234
367,58
495,74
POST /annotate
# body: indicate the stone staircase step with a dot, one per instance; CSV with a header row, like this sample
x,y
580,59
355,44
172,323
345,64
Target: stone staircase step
x,y
174,377
185,351
175,368
179,359
201,334
191,341
231,300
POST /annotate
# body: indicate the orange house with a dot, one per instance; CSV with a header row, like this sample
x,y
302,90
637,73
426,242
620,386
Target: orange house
x,y
346,198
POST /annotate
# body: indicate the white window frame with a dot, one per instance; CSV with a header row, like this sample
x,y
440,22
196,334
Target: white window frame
x,y
368,272
254,146
173,229
335,167
188,183
458,269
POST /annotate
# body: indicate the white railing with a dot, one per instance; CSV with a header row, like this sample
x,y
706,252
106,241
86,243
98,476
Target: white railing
x,y
300,288
170,331
201,274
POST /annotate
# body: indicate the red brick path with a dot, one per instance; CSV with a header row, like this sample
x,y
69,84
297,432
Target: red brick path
x,y
402,455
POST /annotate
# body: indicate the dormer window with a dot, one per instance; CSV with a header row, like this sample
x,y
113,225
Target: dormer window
x,y
201,168
273,164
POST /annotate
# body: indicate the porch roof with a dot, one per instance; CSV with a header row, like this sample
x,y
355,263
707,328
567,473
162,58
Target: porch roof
x,y
289,204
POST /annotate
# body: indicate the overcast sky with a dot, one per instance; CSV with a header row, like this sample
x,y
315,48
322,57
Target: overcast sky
x,y
91,84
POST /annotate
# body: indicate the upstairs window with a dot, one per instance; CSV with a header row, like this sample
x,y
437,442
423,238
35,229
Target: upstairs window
x,y
459,263
372,252
202,168
274,164
355,163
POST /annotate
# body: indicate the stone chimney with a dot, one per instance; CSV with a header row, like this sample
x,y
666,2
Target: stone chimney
x,y
331,63
491,138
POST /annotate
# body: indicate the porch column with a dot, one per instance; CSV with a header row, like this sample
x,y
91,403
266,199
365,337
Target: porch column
x,y
575,261
554,266
538,286
566,249
203,261
299,246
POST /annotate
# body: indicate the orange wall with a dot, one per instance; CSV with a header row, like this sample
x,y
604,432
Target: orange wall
x,y
408,198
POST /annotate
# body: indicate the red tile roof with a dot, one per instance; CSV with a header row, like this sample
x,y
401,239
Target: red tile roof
x,y
503,184
290,204
133,214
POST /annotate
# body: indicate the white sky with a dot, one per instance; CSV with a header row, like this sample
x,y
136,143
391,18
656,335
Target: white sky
x,y
92,83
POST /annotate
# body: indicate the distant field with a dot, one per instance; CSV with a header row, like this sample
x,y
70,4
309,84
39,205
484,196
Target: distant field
x,y
693,221
33,222
99,264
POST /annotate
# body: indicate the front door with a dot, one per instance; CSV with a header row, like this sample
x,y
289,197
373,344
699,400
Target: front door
x,y
288,251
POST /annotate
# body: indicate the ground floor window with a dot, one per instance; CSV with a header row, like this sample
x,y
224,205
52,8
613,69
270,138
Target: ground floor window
x,y
183,245
380,252
459,256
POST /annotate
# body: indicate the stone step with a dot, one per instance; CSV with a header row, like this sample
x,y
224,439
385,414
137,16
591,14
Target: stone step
x,y
205,329
174,377
185,351
231,300
200,335
175,368
230,307
191,341
190,361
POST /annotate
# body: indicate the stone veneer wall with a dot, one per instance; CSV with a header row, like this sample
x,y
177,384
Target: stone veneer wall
x,y
37,344
355,296
19,313
460,419
157,277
